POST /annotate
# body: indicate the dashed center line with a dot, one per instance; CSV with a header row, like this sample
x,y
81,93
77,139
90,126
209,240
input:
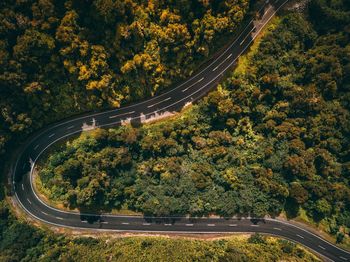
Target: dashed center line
x,y
35,148
300,236
266,10
321,247
247,35
189,225
44,213
167,224
159,102
104,222
211,225
277,228
200,80
70,127
22,187
60,218
146,224
254,225
222,62
125,223
128,113
232,225
51,135
29,201
343,258
84,221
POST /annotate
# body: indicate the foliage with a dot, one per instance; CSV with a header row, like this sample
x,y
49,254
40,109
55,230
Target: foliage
x,y
257,239
21,242
271,138
335,14
59,58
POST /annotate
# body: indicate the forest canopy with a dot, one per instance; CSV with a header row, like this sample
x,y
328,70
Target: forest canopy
x,y
59,58
273,137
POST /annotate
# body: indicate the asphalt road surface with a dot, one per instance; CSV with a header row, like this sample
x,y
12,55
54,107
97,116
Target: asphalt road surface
x,y
175,99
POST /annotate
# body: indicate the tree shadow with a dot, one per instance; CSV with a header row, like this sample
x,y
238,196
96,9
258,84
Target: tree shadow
x,y
91,219
292,208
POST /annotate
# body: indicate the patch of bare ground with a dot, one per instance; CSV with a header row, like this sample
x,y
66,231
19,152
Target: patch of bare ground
x,y
297,5
116,235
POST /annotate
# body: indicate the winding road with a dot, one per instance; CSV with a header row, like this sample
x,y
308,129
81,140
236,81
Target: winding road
x,y
175,99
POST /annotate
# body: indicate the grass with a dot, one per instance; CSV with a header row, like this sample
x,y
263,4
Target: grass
x,y
233,248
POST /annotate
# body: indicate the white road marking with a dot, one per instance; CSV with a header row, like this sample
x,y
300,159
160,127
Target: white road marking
x,y
44,213
321,247
200,80
211,225
232,225
70,127
222,62
121,114
254,225
300,236
343,258
125,223
219,55
277,228
189,225
36,147
60,218
104,222
146,224
22,187
247,35
267,10
167,224
52,135
29,201
159,102
268,20
24,166
84,221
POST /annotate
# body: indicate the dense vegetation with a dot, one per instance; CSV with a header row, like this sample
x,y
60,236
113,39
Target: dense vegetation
x,y
59,58
274,136
21,242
